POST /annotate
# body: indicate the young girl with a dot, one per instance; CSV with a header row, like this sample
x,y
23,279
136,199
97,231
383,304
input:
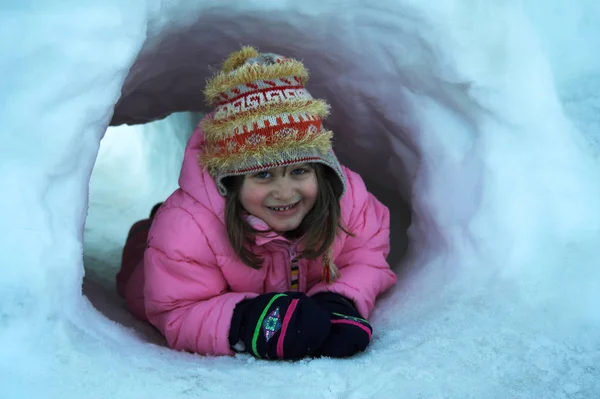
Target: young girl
x,y
269,246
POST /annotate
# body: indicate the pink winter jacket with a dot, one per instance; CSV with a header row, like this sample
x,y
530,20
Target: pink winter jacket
x,y
192,279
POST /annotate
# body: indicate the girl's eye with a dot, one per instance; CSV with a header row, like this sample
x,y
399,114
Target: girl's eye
x,y
262,175
299,171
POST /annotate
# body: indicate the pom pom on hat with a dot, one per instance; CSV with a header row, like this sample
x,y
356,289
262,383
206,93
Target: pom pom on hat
x,y
238,58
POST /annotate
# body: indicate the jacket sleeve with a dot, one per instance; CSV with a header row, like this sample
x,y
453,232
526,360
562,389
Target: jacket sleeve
x,y
362,265
185,293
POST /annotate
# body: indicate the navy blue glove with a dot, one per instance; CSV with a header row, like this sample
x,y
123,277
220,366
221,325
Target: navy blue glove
x,y
349,333
279,326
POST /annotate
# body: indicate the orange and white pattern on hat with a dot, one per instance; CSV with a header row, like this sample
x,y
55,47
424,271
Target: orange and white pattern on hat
x,y
263,116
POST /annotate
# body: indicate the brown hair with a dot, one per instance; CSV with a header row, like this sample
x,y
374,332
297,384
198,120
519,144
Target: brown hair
x,y
319,227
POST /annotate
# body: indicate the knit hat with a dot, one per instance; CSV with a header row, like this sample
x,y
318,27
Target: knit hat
x,y
264,118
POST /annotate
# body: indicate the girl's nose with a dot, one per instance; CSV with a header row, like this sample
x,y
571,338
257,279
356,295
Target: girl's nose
x,y
284,190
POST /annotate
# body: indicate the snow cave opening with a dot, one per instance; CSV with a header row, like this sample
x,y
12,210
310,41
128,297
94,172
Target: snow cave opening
x,y
161,102
451,113
133,172
404,114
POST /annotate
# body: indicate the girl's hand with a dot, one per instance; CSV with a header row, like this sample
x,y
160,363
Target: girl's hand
x,y
349,333
280,326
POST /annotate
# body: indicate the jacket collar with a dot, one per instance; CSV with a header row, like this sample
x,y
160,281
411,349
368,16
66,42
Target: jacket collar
x,y
266,237
269,236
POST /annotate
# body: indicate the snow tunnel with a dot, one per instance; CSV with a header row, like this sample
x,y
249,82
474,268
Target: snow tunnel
x,y
475,124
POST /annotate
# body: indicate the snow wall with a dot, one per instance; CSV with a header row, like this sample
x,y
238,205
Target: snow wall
x,y
475,119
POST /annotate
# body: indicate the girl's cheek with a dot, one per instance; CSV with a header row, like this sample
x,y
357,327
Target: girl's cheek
x,y
253,194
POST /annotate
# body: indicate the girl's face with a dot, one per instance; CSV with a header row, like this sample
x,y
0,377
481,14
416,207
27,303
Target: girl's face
x,y
282,196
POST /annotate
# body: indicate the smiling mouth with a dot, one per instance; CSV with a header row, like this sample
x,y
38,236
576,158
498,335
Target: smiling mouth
x,y
282,208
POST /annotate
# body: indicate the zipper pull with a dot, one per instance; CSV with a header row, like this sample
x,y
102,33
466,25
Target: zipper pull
x,y
294,270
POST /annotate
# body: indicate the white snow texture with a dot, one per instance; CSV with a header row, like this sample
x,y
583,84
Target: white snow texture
x,y
477,123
